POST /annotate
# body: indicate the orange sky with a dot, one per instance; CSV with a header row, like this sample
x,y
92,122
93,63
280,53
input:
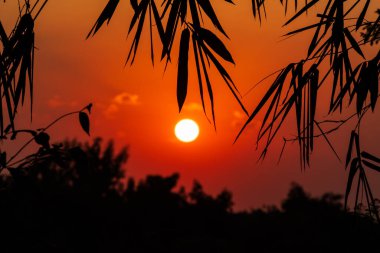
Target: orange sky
x,y
136,105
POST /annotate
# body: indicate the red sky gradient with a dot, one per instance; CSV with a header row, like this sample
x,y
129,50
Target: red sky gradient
x,y
136,105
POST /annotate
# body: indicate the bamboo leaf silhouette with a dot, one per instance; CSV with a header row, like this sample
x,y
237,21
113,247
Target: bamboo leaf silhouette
x,y
373,81
353,42
278,82
209,10
215,44
158,22
182,74
370,157
306,28
257,7
361,89
3,35
134,4
359,22
350,145
106,15
227,79
84,122
353,170
139,14
371,165
183,11
301,11
171,27
199,75
208,83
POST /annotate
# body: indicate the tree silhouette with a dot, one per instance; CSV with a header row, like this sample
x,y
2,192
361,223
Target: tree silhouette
x,y
54,209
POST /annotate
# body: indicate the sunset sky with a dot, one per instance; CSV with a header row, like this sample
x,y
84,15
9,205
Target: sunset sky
x,y
136,105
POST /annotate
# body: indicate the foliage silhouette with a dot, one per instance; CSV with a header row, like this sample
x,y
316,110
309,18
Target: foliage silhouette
x,y
335,43
82,206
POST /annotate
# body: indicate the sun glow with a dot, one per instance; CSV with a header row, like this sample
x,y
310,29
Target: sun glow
x,y
186,130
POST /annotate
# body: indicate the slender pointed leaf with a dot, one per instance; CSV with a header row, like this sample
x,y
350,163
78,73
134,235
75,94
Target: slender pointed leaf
x,y
182,74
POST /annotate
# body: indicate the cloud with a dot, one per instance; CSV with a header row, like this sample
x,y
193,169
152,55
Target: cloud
x,y
239,119
57,101
193,107
120,100
126,99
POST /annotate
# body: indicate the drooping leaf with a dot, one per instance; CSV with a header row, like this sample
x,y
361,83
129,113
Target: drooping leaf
x,y
280,79
351,175
371,165
368,156
361,88
353,42
143,7
208,83
134,4
171,26
3,159
182,74
373,82
359,22
106,15
215,44
350,145
197,64
157,19
84,122
303,10
3,36
209,10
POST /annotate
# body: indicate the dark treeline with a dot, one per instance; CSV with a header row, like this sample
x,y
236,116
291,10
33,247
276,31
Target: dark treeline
x,y
75,202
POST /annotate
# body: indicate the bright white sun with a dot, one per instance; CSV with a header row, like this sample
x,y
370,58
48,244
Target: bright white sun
x,y
186,130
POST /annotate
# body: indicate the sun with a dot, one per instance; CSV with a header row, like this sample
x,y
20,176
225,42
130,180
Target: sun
x,y
186,130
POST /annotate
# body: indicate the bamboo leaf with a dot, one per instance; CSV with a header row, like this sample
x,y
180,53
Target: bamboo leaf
x,y
135,5
370,157
182,75
373,82
359,22
300,12
215,44
197,64
306,28
361,88
209,10
209,87
353,42
350,145
106,15
171,28
280,79
351,175
136,40
157,19
371,165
